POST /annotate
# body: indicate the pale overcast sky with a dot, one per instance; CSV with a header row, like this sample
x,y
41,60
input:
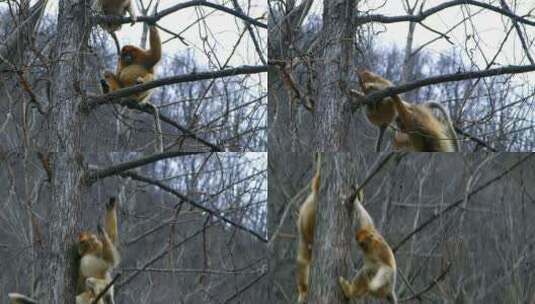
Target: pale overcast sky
x,y
224,28
490,26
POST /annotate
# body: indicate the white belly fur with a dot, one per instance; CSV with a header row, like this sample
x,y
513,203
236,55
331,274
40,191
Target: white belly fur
x,y
92,266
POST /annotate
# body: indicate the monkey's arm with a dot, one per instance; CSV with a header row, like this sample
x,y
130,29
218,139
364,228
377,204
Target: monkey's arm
x,y
112,81
109,252
364,218
403,113
131,12
110,220
381,278
155,53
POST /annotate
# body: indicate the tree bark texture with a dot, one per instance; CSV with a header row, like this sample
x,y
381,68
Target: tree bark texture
x,y
331,254
332,111
56,253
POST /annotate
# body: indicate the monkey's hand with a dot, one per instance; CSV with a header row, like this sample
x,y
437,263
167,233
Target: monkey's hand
x,y
346,286
100,230
108,75
140,80
111,203
134,19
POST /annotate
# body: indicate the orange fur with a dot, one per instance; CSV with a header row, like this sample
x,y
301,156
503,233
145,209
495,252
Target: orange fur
x,y
136,66
377,277
115,7
99,254
305,226
420,129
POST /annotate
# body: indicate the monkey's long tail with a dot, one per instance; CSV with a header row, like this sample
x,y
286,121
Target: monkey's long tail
x,y
17,298
451,130
158,127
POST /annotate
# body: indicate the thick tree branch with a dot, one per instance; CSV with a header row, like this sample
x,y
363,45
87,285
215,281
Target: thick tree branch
x,y
391,91
177,7
188,200
94,101
96,174
362,19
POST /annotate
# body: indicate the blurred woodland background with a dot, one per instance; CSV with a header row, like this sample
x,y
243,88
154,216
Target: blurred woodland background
x,y
461,225
192,228
320,44
202,111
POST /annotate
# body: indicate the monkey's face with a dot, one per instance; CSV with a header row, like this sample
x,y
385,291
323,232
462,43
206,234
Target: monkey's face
x,y
88,242
365,239
128,54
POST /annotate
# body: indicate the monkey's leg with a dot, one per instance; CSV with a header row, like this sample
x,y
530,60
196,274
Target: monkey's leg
x,y
110,220
356,289
403,113
381,278
303,269
392,298
382,130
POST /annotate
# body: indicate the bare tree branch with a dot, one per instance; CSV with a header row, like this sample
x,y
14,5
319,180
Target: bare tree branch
x,y
94,101
459,202
175,8
143,107
97,174
362,19
190,201
391,91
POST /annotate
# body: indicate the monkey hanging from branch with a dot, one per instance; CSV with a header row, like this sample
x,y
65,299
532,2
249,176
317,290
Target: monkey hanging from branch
x,y
306,222
419,129
99,256
377,277
118,8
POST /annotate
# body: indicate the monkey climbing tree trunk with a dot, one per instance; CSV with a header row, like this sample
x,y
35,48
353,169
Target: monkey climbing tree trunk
x,y
55,254
333,233
332,111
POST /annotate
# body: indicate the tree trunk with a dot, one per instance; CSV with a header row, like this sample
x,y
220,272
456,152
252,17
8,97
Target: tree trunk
x,y
56,254
331,256
332,112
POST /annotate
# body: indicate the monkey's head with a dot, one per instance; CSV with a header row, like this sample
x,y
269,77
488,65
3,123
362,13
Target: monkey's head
x,y
129,53
88,242
367,239
370,81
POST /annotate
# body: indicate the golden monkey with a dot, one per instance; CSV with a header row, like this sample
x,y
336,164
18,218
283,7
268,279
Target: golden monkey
x,y
16,298
305,228
382,113
93,287
377,277
115,7
135,66
424,131
99,254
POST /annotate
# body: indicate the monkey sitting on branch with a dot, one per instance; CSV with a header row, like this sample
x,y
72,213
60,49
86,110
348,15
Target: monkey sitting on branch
x,y
419,129
377,277
136,66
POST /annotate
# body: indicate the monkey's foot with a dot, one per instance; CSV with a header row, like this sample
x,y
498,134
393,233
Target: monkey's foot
x,y
346,286
105,86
